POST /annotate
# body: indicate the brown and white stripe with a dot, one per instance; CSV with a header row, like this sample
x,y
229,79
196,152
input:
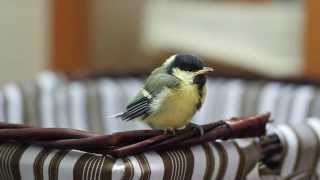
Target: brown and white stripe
x,y
234,166
290,144
37,156
38,163
314,124
55,163
209,161
10,156
200,161
15,160
137,173
91,167
209,168
119,170
144,166
301,149
178,164
67,165
156,165
80,170
5,156
221,160
128,171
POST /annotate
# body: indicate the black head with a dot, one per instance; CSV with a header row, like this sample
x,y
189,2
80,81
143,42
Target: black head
x,y
186,63
191,64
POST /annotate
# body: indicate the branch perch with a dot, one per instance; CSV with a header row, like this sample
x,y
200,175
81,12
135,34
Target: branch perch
x,y
132,142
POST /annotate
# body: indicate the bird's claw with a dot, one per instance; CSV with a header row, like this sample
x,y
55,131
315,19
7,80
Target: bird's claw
x,y
197,127
170,131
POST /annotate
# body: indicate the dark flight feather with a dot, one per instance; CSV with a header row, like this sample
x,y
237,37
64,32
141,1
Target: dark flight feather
x,y
140,106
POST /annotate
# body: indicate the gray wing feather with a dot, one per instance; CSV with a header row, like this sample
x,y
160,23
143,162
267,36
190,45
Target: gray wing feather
x,y
155,83
140,105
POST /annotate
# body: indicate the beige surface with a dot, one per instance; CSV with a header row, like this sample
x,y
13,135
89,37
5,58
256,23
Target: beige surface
x,y
23,38
261,37
116,34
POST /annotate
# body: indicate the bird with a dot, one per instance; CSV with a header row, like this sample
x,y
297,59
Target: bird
x,y
171,95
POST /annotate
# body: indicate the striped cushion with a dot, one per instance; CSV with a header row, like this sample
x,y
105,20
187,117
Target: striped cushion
x,y
209,161
51,101
301,143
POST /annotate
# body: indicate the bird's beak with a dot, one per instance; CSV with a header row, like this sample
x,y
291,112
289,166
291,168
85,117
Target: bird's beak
x,y
204,70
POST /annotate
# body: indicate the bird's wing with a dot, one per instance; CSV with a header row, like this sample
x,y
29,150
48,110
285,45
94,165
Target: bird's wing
x,y
140,105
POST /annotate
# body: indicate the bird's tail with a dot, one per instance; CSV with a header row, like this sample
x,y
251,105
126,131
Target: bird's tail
x,y
118,115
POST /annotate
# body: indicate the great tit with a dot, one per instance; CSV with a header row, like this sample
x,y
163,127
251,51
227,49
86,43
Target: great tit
x,y
171,95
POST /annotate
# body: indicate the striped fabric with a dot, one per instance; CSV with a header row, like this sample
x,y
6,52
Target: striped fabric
x,y
51,101
209,161
220,160
301,143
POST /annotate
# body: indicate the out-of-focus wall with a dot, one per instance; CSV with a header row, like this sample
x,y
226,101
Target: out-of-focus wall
x,y
116,28
24,38
262,37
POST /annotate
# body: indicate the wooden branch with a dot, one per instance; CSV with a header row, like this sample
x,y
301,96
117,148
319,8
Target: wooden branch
x,y
132,142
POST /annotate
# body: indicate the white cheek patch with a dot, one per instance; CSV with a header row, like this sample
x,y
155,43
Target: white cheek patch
x,y
184,76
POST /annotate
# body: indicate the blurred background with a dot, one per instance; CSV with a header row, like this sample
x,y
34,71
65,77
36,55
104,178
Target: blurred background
x,y
271,38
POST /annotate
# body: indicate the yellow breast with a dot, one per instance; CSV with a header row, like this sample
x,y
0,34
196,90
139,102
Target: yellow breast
x,y
175,107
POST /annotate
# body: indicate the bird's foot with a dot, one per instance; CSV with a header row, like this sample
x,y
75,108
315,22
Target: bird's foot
x,y
197,127
170,131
